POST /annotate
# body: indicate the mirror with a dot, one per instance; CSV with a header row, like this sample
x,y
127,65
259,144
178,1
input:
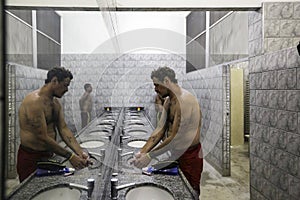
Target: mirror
x,y
88,59
32,63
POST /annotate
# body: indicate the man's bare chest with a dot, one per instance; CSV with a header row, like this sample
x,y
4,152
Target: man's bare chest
x,y
51,112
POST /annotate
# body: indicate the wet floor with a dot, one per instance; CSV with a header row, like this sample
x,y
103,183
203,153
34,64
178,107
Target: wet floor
x,y
235,187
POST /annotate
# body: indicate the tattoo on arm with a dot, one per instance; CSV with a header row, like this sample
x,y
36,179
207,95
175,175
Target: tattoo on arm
x,y
69,138
153,139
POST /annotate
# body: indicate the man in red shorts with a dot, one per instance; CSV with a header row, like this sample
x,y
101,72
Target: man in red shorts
x,y
178,130
40,115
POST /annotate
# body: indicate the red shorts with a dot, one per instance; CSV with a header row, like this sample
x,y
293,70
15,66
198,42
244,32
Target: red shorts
x,y
27,161
191,164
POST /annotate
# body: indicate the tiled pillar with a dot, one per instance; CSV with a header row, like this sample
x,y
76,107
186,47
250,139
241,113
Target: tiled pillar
x,y
274,69
2,111
21,81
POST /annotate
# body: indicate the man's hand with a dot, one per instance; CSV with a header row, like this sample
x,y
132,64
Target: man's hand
x,y
141,160
80,162
86,157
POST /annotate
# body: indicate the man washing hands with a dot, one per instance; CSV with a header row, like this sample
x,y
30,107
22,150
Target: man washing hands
x,y
178,130
41,117
141,160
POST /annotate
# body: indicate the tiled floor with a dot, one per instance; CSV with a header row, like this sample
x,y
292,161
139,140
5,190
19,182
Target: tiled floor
x,y
11,184
236,187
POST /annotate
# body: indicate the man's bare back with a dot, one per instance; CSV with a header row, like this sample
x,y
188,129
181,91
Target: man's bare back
x,y
185,110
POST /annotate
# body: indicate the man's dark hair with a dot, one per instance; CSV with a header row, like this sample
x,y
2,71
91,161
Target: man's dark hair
x,y
162,72
60,72
87,85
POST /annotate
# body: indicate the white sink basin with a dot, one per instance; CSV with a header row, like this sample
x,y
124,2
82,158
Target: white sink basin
x,y
96,129
132,118
91,144
132,121
136,143
98,133
148,192
134,125
109,120
136,132
105,126
60,193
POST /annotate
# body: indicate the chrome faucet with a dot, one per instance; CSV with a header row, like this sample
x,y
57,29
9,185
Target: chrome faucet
x,y
99,161
123,137
120,155
115,188
89,188
127,153
95,154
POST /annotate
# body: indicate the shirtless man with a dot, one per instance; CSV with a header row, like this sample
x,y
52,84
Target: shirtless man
x,y
86,105
40,115
178,131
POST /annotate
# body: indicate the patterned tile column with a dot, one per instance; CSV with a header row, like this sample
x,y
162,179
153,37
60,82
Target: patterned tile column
x,y
275,105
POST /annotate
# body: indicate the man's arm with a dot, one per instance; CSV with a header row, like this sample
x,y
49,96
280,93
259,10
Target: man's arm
x,y
158,133
80,159
146,154
65,132
164,146
153,140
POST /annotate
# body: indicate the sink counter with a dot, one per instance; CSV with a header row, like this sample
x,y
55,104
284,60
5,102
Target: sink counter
x,y
173,183
33,185
177,185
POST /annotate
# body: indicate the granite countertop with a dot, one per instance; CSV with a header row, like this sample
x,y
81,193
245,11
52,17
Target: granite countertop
x,y
34,185
175,184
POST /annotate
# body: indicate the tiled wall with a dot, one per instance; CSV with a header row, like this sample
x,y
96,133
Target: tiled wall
x,y
275,103
117,81
275,126
281,26
22,80
209,85
274,27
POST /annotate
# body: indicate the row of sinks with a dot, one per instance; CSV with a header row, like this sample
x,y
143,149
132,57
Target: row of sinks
x,y
137,129
59,192
145,192
134,131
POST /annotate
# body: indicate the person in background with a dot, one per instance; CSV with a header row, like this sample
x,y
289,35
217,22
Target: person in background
x,y
85,104
40,116
178,131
